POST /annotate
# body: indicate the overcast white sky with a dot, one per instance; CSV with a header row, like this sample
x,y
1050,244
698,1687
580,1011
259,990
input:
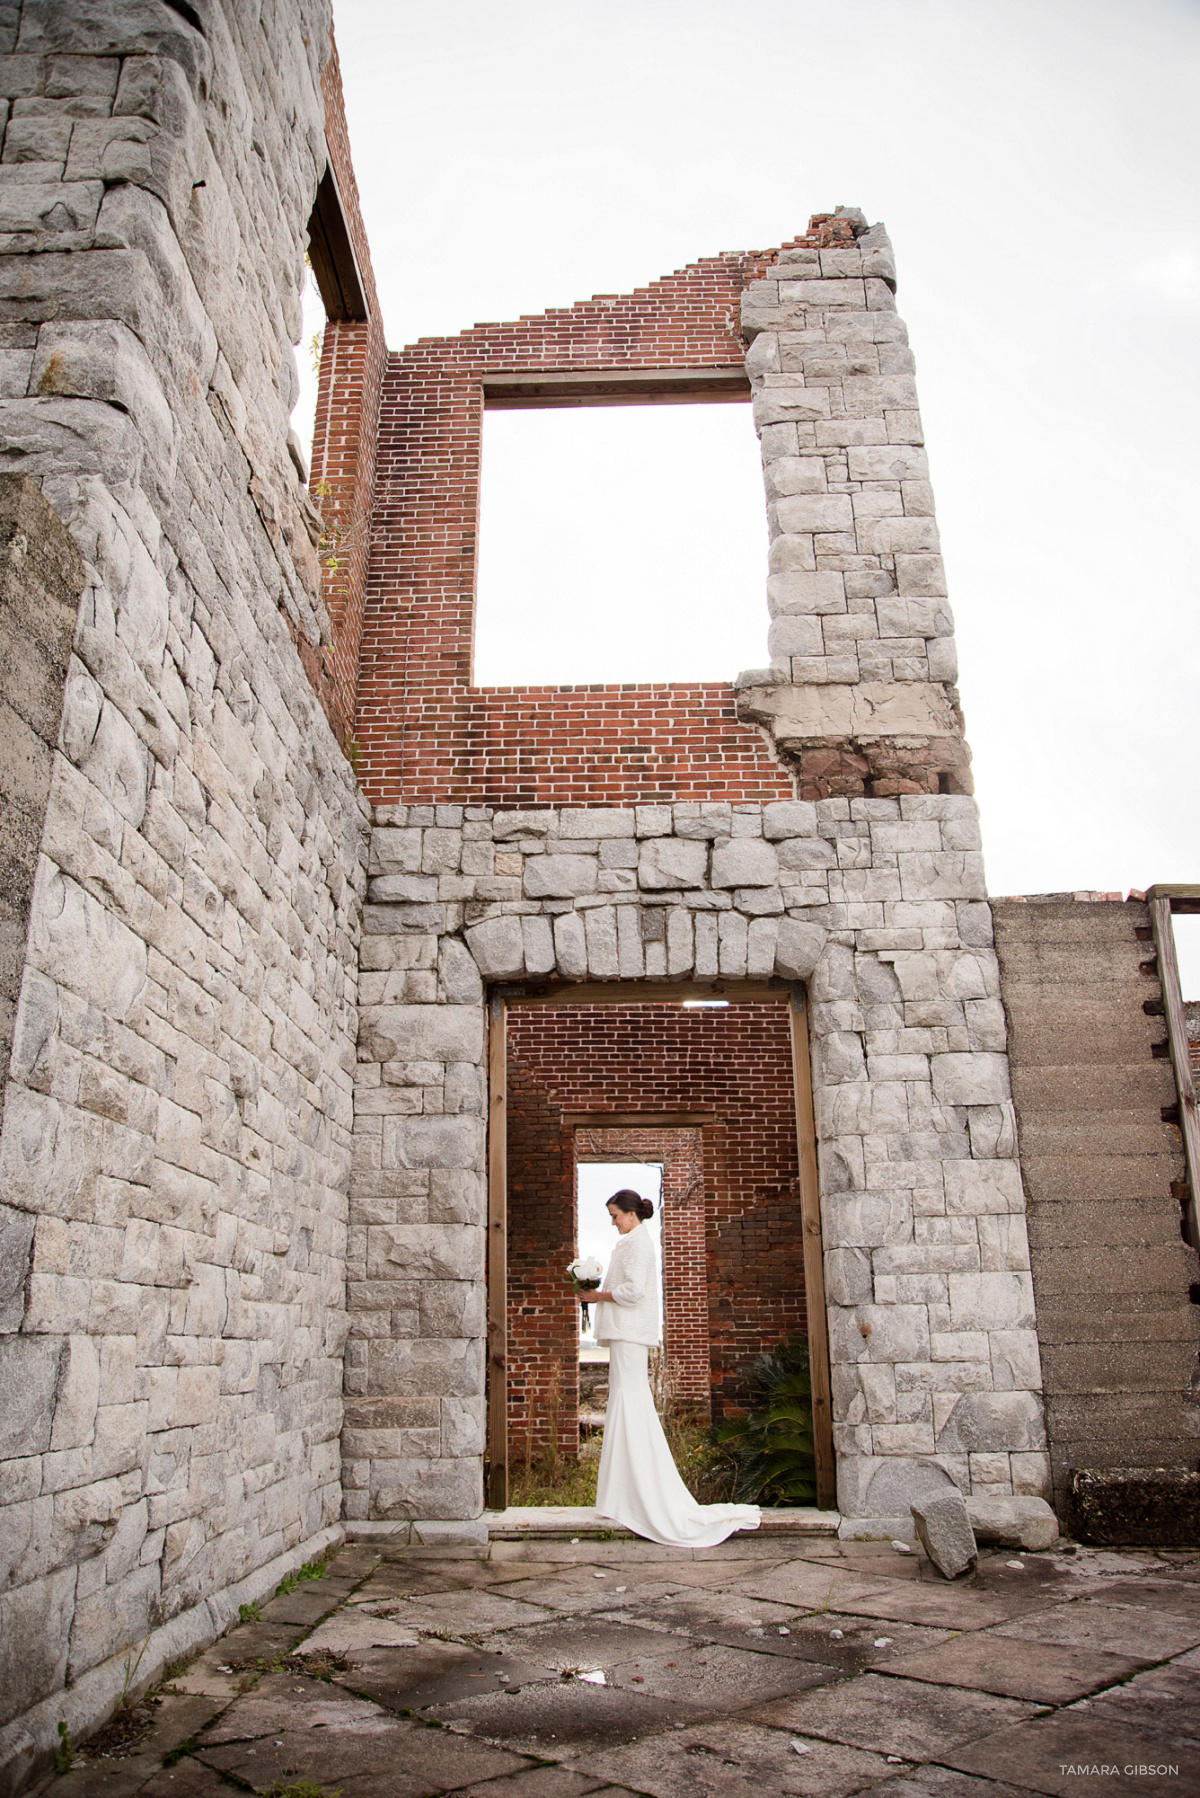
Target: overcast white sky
x,y
1035,163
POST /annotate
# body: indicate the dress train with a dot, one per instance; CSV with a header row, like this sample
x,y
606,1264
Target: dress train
x,y
638,1484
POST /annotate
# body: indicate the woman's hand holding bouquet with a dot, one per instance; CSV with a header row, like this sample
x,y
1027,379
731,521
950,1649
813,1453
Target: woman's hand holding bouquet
x,y
586,1274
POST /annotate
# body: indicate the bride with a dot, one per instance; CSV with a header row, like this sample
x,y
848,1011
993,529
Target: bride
x,y
639,1485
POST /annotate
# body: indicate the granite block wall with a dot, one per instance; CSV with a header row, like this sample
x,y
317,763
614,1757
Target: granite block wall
x,y
176,1131
878,906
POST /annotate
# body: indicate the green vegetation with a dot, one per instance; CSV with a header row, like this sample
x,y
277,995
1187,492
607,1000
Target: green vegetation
x,y
764,1456
300,1788
555,1479
250,1613
771,1446
311,1570
125,1701
64,1754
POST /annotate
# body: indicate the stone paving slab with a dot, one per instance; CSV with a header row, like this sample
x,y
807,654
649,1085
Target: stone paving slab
x,y
1054,1754
412,1672
740,1760
907,1717
597,1643
1164,1700
1044,1674
718,1679
434,1673
473,1613
575,1596
1142,1634
565,1717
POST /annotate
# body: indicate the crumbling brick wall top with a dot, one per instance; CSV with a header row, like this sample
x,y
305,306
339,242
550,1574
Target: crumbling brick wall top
x,y
425,733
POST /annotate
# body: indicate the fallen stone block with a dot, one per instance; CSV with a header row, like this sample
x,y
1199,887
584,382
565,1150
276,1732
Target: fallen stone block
x,y
944,1532
1019,1522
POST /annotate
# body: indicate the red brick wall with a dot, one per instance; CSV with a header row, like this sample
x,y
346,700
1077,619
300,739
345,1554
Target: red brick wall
x,y
684,1240
543,1315
424,733
345,437
734,1065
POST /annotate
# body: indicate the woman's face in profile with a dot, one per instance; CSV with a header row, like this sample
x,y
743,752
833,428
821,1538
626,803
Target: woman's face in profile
x,y
624,1220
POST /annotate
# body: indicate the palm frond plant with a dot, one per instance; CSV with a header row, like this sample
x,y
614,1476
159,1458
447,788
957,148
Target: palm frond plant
x,y
771,1445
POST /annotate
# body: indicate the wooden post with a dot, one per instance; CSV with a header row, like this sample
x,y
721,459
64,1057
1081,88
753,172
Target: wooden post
x,y
1185,1085
497,1259
814,1266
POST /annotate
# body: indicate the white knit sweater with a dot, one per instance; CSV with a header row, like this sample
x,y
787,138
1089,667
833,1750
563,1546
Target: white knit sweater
x,y
632,1278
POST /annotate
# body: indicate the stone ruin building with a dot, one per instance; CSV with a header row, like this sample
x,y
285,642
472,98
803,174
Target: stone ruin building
x,y
313,949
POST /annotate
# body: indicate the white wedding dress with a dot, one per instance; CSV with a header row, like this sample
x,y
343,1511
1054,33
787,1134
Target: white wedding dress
x,y
638,1484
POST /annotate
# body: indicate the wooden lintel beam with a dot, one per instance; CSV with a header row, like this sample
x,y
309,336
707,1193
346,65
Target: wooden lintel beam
x,y
638,1120
615,387
647,992
331,252
1182,899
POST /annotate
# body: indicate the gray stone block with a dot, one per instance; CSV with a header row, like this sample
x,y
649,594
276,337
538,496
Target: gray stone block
x,y
560,876
1017,1522
993,1422
29,1370
570,946
16,1240
944,1531
798,948
666,863
498,946
445,1033
789,818
35,1625
744,862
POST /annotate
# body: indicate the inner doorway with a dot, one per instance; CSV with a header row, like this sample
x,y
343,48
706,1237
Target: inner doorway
x,y
581,1075
595,1182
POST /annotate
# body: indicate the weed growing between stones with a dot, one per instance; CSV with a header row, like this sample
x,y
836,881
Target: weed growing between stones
x,y
311,1570
301,1788
131,1667
64,1754
250,1613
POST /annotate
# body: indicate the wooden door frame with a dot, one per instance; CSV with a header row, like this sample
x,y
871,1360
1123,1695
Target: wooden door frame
x,y
745,992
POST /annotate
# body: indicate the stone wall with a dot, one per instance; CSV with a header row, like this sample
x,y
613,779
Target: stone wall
x,y
878,905
1103,1162
41,582
177,1118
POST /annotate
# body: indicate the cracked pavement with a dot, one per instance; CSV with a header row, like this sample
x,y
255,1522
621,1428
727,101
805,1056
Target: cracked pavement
x,y
546,1669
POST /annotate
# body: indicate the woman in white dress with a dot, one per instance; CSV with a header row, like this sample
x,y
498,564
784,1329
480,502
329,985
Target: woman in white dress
x,y
639,1485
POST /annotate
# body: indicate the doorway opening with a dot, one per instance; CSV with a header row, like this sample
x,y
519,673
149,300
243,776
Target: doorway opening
x,y
710,1103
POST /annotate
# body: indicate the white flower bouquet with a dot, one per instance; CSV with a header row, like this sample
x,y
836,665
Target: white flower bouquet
x,y
586,1275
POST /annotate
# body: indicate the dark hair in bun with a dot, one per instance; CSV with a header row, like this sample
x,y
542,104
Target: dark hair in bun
x,y
628,1200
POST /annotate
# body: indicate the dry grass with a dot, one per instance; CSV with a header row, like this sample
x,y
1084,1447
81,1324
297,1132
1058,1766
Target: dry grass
x,y
558,1479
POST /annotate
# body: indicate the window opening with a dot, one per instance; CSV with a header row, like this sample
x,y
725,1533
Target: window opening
x,y
620,543
308,363
596,1181
1185,927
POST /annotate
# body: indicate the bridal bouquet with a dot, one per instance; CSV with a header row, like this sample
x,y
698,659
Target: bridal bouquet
x,y
586,1274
